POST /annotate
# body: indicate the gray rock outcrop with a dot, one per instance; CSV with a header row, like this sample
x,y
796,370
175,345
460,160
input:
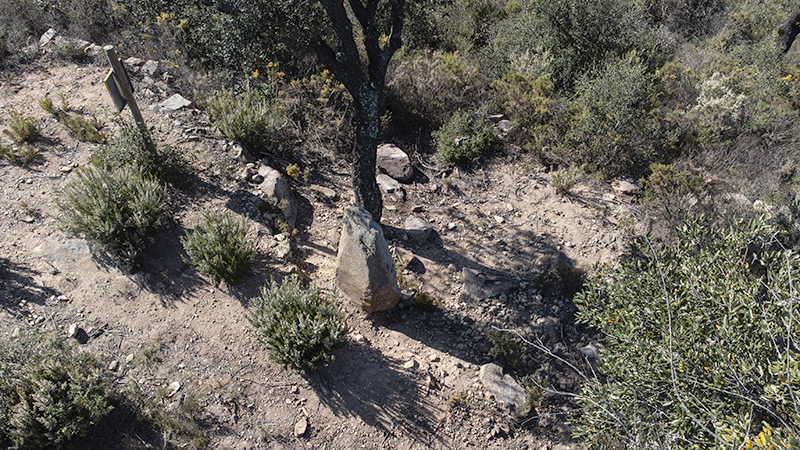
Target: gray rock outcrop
x,y
390,188
275,186
365,272
505,389
395,162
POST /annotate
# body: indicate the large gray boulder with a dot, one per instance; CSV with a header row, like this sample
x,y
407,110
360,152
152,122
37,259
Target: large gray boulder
x,y
365,272
395,162
275,186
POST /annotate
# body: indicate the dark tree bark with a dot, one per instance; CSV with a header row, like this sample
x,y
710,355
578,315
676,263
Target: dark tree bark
x,y
788,32
364,81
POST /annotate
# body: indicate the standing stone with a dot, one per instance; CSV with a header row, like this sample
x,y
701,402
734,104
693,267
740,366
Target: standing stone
x,y
274,185
365,272
395,162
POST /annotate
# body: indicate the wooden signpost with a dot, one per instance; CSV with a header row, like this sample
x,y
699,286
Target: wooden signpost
x,y
120,87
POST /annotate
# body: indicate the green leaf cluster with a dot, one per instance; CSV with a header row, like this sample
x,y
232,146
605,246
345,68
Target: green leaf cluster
x,y
300,327
465,138
219,247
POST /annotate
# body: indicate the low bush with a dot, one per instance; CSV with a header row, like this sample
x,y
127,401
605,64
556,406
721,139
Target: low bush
x,y
117,210
21,155
82,129
49,393
700,343
300,327
429,86
219,247
132,147
563,180
250,117
465,138
22,128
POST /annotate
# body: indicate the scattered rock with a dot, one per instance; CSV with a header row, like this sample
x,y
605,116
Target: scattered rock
x,y
505,126
65,169
150,68
173,388
365,272
274,185
133,62
495,118
505,389
92,49
284,249
326,192
499,219
395,162
113,366
242,154
451,226
479,287
28,219
590,351
390,188
174,103
15,333
301,427
626,187
410,364
129,358
47,37
408,260
73,330
417,229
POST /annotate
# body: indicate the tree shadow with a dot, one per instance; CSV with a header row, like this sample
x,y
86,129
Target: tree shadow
x,y
17,282
380,392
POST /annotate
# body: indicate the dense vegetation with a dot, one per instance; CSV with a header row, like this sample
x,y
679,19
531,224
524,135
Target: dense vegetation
x,y
692,97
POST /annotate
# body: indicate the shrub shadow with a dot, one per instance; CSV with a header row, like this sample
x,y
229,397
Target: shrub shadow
x,y
17,282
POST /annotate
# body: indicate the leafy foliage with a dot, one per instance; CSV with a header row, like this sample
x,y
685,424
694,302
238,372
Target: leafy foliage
x,y
132,147
251,117
301,327
21,155
563,180
219,247
465,138
117,210
700,342
22,128
49,394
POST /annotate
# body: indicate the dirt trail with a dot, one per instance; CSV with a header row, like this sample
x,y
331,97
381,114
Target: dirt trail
x,y
406,378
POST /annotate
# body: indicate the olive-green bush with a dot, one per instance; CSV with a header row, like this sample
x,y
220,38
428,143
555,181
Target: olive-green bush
x,y
50,394
219,247
465,137
118,210
699,343
250,117
300,327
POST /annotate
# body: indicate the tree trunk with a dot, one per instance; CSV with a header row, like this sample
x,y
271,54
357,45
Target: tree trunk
x,y
364,156
788,32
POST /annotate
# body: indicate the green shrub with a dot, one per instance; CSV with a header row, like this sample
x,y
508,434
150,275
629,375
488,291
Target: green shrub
x,y
47,104
527,99
83,130
611,131
117,210
300,327
72,52
251,117
49,393
132,147
698,343
506,348
22,128
563,180
21,155
429,86
465,138
219,248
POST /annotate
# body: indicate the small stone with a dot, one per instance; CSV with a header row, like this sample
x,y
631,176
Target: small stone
x,y
499,219
451,226
72,331
113,366
134,61
301,427
294,389
29,181
174,103
359,338
62,298
47,37
410,364
173,388
129,358
626,187
65,169
28,219
150,68
15,333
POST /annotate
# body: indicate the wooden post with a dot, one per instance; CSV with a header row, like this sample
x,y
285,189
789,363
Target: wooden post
x,y
125,86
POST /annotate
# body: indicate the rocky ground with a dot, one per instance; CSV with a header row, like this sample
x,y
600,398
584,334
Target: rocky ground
x,y
501,253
